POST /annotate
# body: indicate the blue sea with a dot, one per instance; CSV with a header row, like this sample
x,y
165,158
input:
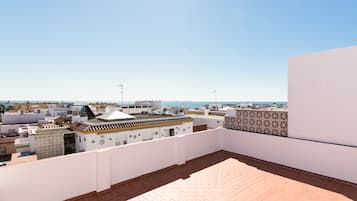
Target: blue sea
x,y
194,104
188,104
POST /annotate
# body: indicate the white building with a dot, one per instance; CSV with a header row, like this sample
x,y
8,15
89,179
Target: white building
x,y
21,118
211,121
118,128
136,109
151,103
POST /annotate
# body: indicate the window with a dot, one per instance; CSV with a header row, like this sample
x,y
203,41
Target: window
x,y
110,139
93,141
172,132
139,134
130,136
84,139
101,142
2,150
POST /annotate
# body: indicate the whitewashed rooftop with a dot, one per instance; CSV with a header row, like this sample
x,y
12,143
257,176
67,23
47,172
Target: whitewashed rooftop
x,y
115,115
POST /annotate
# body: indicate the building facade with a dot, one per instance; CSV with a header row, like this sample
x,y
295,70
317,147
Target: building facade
x,y
50,140
91,136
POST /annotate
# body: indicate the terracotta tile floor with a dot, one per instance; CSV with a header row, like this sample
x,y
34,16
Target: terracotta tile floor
x,y
227,176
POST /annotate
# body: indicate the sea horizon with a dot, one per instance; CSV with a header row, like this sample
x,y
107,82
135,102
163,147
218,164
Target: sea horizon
x,y
171,103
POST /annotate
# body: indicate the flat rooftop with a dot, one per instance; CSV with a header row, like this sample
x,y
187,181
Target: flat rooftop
x,y
229,177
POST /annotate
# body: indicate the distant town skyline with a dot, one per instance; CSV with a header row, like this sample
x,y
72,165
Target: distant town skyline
x,y
162,50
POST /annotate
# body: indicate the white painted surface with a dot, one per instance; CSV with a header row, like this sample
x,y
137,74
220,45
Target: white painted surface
x,y
103,170
134,160
322,96
72,175
89,142
321,158
202,143
18,118
210,121
49,179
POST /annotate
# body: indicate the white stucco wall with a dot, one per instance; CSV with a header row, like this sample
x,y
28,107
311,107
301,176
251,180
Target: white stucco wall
x,y
202,143
322,96
72,175
149,156
210,121
321,158
55,179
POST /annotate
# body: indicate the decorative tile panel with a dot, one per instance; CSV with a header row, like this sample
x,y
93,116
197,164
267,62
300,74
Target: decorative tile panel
x,y
259,121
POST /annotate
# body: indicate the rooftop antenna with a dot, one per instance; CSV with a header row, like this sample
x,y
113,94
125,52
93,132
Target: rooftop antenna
x,y
121,92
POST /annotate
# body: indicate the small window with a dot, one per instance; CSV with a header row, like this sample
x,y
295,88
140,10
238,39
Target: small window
x,y
156,133
134,136
130,136
139,134
172,132
93,141
110,139
2,150
124,142
84,139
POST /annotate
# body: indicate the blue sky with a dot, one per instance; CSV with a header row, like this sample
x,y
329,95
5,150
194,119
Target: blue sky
x,y
168,50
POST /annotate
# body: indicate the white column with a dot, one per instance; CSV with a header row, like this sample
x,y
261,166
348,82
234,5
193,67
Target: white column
x,y
103,170
181,150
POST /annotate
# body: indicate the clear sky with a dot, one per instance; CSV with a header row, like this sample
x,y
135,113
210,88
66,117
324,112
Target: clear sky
x,y
168,50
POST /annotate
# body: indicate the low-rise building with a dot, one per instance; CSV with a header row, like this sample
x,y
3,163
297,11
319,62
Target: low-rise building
x,y
152,103
50,140
118,128
7,145
21,118
210,121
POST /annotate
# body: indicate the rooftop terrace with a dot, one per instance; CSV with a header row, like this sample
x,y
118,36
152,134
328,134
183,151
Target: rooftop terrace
x,y
227,176
217,164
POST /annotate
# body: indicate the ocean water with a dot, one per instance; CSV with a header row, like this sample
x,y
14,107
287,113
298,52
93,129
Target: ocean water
x,y
188,104
194,104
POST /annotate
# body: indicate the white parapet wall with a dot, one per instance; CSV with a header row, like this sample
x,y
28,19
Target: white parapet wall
x,y
195,146
321,158
322,96
133,160
56,178
69,176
